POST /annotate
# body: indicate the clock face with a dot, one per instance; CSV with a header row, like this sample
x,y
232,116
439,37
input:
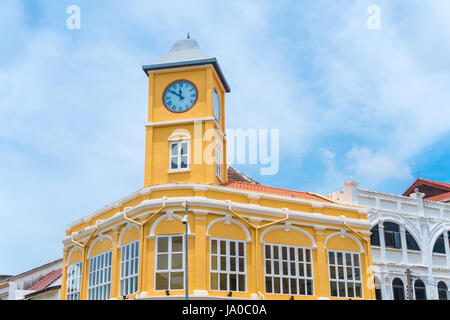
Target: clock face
x,y
180,96
216,105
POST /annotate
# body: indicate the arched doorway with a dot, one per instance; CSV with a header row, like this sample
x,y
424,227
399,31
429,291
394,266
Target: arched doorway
x,y
398,289
419,290
442,290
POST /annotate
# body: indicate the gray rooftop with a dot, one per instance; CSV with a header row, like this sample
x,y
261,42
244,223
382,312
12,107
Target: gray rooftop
x,y
186,52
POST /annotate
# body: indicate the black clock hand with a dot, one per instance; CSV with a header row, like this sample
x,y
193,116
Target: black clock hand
x,y
175,93
181,97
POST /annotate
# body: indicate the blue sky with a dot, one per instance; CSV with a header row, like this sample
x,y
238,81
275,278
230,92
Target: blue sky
x,y
349,101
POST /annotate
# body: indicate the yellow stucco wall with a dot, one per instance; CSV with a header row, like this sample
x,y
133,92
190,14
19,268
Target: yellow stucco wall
x,y
207,223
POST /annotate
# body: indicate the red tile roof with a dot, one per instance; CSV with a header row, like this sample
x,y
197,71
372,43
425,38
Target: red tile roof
x,y
440,197
47,280
432,183
277,191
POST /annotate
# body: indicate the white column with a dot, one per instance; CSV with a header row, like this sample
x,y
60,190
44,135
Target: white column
x,y
404,245
351,192
382,245
383,285
447,248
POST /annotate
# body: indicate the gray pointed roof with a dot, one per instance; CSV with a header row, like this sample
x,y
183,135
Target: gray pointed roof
x,y
186,52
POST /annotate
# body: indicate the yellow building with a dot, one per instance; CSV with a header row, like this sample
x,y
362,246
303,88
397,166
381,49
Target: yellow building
x,y
240,239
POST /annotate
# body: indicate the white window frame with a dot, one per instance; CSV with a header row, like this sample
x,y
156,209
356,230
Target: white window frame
x,y
74,281
179,155
346,281
228,270
99,280
169,260
129,268
296,276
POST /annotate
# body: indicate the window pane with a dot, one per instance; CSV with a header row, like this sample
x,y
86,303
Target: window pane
x,y
276,285
286,285
184,148
174,163
176,280
163,244
223,281
268,267
241,264
184,162
333,287
232,248
223,263
162,280
341,289
162,263
268,284
241,279
214,281
177,261
214,246
241,249
213,262
301,286
223,247
331,257
308,255
267,251
174,149
358,290
177,244
232,264
284,253
233,282
293,286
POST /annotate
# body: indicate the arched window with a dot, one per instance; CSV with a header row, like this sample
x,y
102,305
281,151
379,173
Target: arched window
x,y
375,236
392,235
398,289
419,290
377,289
442,290
411,243
439,245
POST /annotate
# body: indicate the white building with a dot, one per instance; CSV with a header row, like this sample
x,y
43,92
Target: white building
x,y
416,237
41,283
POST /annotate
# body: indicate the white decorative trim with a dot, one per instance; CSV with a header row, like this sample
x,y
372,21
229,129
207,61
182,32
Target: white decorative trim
x,y
100,238
166,216
346,234
148,190
311,238
179,134
229,220
172,122
211,204
72,250
128,226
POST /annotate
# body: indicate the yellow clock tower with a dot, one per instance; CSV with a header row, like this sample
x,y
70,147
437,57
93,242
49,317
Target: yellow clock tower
x,y
185,132
201,230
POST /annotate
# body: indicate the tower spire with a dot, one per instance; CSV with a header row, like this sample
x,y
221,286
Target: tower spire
x,y
188,36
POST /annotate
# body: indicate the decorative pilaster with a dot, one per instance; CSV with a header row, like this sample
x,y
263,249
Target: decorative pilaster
x,y
447,248
115,265
404,245
322,283
382,242
200,252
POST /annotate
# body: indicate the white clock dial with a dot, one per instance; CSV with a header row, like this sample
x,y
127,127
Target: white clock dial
x,y
180,96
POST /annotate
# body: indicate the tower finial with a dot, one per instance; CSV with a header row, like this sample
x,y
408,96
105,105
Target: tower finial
x,y
188,36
